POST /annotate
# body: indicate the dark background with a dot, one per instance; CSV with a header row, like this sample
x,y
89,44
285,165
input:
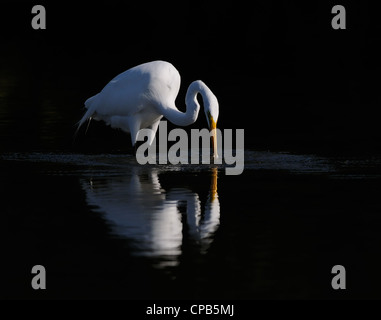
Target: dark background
x,y
278,69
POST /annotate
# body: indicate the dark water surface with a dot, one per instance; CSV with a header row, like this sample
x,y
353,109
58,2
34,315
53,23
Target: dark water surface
x,y
106,227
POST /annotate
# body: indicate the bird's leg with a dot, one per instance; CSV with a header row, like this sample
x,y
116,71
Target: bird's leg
x,y
134,126
152,134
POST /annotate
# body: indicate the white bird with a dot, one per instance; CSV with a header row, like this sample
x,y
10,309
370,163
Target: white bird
x,y
139,97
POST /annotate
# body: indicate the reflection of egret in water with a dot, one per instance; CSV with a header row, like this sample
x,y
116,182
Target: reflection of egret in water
x,y
138,208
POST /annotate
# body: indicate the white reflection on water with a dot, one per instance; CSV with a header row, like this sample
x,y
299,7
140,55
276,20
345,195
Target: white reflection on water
x,y
138,208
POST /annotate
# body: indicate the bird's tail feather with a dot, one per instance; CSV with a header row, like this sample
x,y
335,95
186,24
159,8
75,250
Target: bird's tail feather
x,y
87,116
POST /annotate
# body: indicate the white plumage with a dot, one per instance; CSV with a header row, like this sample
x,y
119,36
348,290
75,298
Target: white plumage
x,y
139,97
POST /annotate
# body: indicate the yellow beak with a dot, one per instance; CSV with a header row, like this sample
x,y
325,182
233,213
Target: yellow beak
x,y
213,135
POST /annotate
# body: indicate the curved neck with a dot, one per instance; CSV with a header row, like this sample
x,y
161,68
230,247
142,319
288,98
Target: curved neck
x,y
193,107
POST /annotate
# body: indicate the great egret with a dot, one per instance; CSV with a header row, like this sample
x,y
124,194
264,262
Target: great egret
x,y
139,97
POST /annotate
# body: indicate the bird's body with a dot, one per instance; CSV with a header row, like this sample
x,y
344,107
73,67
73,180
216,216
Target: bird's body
x,y
139,97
